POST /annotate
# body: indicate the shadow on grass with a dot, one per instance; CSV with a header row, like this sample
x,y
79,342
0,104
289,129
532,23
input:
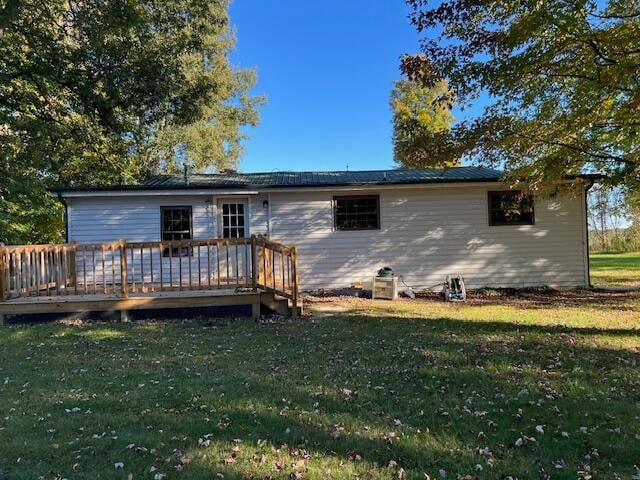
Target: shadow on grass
x,y
338,387
456,368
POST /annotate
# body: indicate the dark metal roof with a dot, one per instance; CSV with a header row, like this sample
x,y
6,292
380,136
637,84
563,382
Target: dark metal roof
x,y
308,179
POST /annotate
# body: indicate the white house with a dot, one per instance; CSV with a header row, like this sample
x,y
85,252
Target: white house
x,y
424,224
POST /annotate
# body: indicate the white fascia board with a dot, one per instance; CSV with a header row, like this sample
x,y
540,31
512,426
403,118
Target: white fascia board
x,y
396,186
154,193
399,186
218,193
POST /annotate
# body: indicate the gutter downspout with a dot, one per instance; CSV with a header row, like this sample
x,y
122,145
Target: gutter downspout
x,y
63,201
587,187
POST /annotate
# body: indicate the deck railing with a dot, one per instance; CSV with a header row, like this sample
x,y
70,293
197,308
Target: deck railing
x,y
132,268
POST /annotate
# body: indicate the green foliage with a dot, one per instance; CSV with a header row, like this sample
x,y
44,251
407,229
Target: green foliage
x,y
111,92
617,240
561,81
614,220
422,121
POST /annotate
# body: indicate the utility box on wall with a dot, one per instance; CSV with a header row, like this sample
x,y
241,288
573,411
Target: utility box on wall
x,y
385,287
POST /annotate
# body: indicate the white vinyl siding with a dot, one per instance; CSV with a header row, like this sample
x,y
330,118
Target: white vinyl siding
x,y
138,219
259,213
135,219
428,233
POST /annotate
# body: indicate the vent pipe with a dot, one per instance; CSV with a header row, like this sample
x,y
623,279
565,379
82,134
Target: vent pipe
x,y
186,173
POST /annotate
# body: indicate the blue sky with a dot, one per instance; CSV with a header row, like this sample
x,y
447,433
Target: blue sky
x,y
327,69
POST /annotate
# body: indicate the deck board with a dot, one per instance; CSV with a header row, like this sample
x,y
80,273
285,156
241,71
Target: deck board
x,y
140,301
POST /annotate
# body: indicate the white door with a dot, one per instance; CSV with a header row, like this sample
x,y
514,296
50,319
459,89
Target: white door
x,y
233,219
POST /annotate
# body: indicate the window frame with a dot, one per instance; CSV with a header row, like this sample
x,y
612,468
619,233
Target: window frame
x,y
493,193
176,251
334,205
245,202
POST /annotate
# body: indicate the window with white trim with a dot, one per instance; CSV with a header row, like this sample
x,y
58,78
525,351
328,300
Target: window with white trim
x,y
234,220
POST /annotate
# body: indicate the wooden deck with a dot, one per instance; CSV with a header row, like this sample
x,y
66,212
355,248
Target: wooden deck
x,y
125,276
148,301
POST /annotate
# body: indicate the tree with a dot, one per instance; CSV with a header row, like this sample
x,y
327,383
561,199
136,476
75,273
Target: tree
x,y
422,121
559,81
614,220
111,92
607,213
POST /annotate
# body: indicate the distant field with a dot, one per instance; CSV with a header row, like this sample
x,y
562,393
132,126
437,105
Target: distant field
x,y
615,268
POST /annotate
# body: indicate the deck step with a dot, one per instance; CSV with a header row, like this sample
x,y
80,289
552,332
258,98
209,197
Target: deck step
x,y
278,305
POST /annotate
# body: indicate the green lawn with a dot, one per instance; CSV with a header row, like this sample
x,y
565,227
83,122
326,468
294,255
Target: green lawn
x,y
528,387
615,269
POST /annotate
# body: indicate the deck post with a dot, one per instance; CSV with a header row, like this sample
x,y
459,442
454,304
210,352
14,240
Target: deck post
x,y
254,264
255,310
124,316
3,275
268,270
124,288
294,267
73,274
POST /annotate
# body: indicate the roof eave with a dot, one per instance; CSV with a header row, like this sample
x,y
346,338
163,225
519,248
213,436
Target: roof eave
x,y
253,189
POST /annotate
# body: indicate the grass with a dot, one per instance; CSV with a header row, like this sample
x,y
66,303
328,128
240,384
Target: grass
x,y
615,269
527,387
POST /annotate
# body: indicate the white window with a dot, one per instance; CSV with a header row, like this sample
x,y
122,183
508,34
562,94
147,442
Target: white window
x,y
234,219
